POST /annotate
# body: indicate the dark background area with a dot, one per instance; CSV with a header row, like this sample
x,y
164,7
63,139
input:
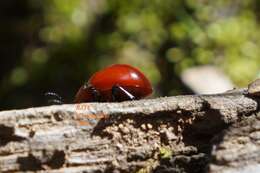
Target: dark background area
x,y
57,45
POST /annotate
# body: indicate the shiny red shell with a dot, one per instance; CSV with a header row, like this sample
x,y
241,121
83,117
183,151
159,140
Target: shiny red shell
x,y
126,76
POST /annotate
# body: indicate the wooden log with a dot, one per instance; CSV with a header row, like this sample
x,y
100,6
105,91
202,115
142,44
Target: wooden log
x,y
164,134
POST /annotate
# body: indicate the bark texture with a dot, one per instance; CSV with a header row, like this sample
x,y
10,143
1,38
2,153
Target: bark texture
x,y
193,133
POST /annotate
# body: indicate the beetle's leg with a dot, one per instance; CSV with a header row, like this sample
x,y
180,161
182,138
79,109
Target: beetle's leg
x,y
53,98
121,94
95,93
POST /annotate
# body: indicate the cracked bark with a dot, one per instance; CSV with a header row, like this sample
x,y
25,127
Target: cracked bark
x,y
193,133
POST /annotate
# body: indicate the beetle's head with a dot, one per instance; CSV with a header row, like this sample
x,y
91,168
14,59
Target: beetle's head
x,y
87,93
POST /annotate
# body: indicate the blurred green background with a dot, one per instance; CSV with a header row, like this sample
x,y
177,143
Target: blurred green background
x,y
55,45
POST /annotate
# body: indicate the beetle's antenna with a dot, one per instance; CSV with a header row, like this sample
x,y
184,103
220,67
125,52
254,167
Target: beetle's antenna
x,y
53,98
53,94
54,101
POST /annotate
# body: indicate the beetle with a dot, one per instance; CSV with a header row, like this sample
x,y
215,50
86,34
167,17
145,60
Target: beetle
x,y
115,83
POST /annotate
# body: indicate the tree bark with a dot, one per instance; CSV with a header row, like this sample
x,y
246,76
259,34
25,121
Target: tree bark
x,y
192,133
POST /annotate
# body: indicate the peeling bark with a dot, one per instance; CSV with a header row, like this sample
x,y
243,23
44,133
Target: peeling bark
x,y
171,134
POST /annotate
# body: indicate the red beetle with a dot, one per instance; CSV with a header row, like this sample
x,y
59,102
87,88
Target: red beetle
x,y
117,82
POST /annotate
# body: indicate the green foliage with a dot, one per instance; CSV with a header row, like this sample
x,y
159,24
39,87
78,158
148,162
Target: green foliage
x,y
72,39
165,152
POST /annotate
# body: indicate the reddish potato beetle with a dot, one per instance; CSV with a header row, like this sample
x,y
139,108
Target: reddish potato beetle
x,y
119,82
